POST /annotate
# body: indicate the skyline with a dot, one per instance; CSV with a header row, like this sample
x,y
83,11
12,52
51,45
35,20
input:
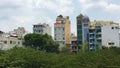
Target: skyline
x,y
26,13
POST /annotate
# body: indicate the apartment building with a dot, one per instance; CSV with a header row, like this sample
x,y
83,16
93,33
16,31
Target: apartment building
x,y
103,34
42,29
8,41
62,33
82,28
74,47
19,32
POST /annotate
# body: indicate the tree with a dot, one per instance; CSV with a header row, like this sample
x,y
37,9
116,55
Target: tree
x,y
41,42
66,49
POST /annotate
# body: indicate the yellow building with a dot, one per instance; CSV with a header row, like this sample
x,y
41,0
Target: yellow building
x,y
62,33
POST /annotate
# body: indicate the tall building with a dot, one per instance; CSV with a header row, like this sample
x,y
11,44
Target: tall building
x,y
42,29
62,33
103,34
82,29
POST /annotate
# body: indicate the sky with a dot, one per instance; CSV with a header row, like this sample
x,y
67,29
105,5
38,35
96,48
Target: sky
x,y
26,13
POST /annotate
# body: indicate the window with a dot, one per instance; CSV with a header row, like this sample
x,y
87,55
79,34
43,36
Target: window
x,y
111,43
63,42
14,42
85,25
117,27
5,42
63,29
10,42
39,30
63,38
55,34
112,27
55,38
55,29
18,42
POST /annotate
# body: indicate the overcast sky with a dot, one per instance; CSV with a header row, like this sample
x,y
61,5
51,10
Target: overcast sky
x,y
25,13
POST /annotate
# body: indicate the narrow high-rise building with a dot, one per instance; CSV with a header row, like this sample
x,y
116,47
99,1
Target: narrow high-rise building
x,y
42,29
82,29
62,33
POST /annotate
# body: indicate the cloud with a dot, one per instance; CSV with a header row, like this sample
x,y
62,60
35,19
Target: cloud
x,y
100,4
58,6
15,13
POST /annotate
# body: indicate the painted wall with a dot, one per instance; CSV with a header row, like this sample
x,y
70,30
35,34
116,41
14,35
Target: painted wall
x,y
110,34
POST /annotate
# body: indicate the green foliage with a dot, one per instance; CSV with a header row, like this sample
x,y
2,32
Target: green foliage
x,y
31,58
66,49
41,42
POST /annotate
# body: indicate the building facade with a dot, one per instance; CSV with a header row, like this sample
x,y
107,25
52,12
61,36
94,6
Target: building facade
x,y
62,33
8,41
82,29
20,31
42,29
74,47
103,34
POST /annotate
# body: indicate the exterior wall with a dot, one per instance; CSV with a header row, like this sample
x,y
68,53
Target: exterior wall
x,y
62,33
85,32
42,29
110,34
59,33
47,30
67,32
92,39
82,29
8,42
74,47
79,31
1,46
20,31
98,37
103,34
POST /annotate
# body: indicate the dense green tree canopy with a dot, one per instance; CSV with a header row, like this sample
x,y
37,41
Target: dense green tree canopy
x,y
41,42
31,58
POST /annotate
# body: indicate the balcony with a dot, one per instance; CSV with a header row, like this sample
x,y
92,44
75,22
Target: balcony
x,y
98,43
92,43
91,33
98,33
91,38
99,38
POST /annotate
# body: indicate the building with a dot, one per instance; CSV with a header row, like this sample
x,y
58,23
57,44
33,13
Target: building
x,y
19,32
74,47
8,41
103,34
62,33
82,29
42,29
1,46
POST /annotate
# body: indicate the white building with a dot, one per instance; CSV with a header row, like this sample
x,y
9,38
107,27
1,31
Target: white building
x,y
59,34
42,29
110,36
20,31
8,41
103,34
